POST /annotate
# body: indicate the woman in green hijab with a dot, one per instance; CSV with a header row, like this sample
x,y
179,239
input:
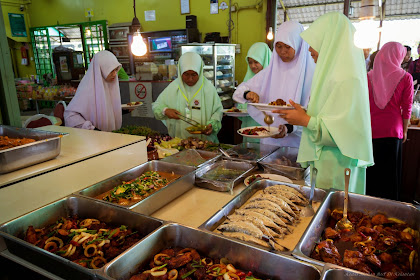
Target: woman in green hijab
x,y
192,96
258,57
337,131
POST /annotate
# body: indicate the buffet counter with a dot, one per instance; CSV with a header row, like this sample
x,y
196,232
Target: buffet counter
x,y
76,146
410,181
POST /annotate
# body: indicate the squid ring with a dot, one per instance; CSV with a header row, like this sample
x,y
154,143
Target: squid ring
x,y
60,242
95,260
173,274
87,250
156,272
50,246
157,258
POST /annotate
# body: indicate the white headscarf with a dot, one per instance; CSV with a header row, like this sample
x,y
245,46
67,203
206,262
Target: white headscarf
x,y
97,100
285,80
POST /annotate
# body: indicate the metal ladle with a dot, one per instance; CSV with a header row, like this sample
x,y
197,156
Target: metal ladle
x,y
344,223
268,119
308,211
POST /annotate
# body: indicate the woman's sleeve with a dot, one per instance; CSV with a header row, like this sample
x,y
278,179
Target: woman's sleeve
x,y
74,119
407,97
319,133
216,117
251,84
160,104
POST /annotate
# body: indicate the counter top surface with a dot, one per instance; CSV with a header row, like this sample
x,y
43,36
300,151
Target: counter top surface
x,y
22,197
414,127
78,145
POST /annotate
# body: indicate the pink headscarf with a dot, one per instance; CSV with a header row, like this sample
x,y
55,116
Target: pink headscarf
x,y
96,100
387,72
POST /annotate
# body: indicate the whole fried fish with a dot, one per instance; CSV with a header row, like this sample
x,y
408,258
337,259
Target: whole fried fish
x,y
277,200
257,222
268,222
266,204
242,226
289,195
246,237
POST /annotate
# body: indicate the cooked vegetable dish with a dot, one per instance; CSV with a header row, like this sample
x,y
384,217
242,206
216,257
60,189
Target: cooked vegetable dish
x,y
7,143
379,245
187,263
139,188
87,242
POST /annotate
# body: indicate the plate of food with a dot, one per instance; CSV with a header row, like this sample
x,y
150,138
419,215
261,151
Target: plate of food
x,y
131,105
278,104
258,131
275,177
235,112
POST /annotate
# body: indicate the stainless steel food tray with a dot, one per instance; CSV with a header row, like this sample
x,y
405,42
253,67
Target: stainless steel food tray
x,y
273,164
251,152
180,158
246,167
333,272
217,219
263,264
155,201
47,146
362,203
15,229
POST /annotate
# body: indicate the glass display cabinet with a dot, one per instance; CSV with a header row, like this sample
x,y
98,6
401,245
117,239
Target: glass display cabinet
x,y
219,64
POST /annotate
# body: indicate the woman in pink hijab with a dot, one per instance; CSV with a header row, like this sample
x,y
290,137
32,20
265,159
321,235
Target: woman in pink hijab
x,y
391,97
97,103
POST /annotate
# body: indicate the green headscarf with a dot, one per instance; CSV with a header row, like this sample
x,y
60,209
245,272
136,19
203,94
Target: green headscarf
x,y
339,94
259,52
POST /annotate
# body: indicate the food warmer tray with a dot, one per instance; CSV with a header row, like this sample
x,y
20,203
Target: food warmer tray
x,y
158,199
180,158
225,186
47,146
68,206
334,272
260,262
362,203
272,163
217,219
250,152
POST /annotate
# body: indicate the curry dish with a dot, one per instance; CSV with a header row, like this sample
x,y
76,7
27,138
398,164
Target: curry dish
x,y
87,242
379,245
131,192
7,143
187,263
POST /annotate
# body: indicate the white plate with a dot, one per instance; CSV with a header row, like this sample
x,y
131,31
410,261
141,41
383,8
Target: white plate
x,y
269,108
126,106
273,131
273,177
242,113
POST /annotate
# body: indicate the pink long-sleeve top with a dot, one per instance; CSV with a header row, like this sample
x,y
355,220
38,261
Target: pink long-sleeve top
x,y
388,122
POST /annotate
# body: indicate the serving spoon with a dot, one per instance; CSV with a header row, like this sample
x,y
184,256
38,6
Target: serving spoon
x,y
308,211
344,223
268,119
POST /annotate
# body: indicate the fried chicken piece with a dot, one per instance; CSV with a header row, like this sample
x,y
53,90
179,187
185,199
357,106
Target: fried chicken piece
x,y
356,260
329,253
391,271
379,219
180,260
385,257
31,235
406,237
331,233
373,259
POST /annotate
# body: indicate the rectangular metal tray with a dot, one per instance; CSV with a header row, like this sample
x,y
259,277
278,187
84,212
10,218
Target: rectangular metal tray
x,y
47,146
180,158
272,163
217,219
333,272
68,206
155,201
246,167
362,203
250,152
262,263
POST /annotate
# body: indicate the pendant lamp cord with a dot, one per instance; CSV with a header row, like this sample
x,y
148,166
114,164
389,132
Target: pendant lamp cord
x,y
134,7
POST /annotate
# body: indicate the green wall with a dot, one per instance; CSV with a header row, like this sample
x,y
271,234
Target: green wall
x,y
249,24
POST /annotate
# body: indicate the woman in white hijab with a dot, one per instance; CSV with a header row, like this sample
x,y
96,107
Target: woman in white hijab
x,y
97,103
289,76
193,96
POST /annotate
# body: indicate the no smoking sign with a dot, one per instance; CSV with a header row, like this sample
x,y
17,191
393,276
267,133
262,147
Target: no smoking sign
x,y
140,91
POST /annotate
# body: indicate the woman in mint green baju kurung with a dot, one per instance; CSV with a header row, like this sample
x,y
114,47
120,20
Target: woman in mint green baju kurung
x,y
199,101
337,131
261,53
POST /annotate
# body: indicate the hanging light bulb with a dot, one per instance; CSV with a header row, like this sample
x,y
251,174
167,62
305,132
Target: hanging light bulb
x,y
270,35
138,47
88,32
